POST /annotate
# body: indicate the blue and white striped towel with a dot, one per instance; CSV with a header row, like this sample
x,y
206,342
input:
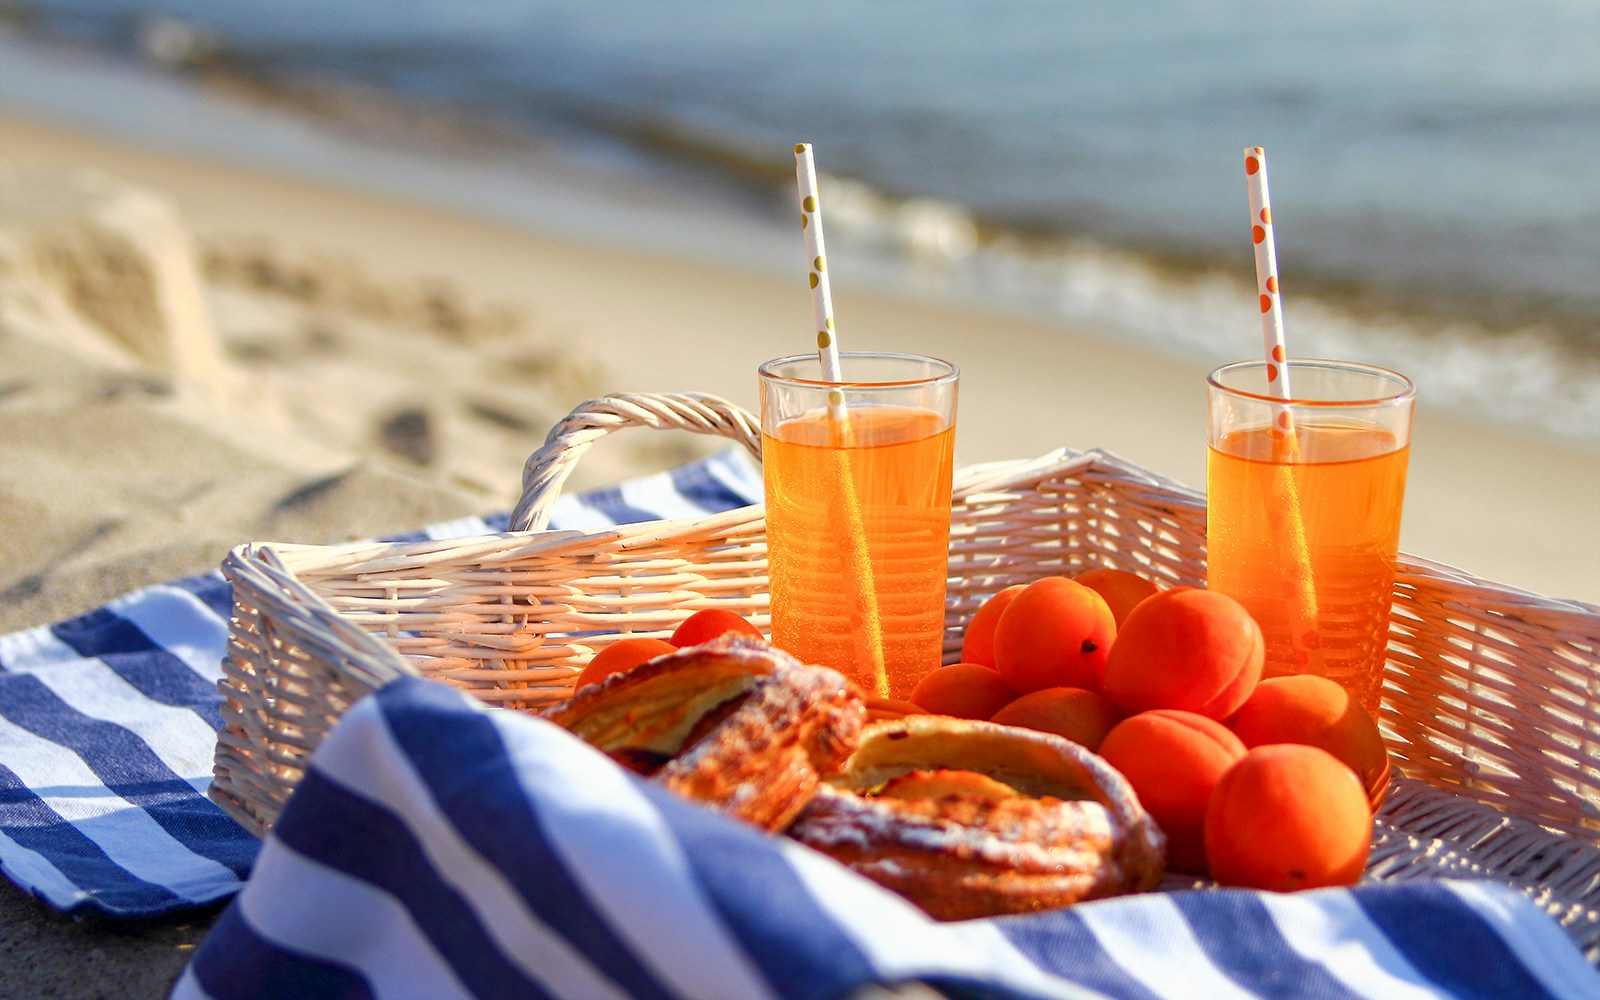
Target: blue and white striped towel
x,y
108,722
439,849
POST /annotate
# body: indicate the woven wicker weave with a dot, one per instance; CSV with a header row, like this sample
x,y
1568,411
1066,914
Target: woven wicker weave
x,y
1491,702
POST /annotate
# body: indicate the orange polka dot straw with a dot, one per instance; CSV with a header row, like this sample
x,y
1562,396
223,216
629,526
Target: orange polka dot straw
x,y
1255,169
1286,446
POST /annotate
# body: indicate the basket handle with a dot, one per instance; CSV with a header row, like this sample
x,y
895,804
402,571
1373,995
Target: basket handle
x,y
548,468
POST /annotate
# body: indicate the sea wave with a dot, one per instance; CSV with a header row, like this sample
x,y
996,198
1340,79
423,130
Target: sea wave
x,y
1536,375
1503,357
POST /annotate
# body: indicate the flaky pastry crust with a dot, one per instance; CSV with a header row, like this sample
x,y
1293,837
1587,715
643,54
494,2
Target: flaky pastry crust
x,y
735,723
1073,830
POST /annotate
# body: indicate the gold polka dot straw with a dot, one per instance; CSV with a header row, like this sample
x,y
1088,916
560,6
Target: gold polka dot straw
x,y
856,562
811,224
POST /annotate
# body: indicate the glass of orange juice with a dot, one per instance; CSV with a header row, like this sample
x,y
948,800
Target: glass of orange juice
x,y
857,476
1303,511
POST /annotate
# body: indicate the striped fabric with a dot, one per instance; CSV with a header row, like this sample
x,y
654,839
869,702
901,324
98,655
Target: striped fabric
x,y
108,722
439,849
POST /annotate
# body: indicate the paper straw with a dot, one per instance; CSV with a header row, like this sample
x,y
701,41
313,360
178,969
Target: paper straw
x,y
1286,450
1255,169
866,621
805,173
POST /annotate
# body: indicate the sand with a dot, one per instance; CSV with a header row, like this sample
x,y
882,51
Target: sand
x,y
329,364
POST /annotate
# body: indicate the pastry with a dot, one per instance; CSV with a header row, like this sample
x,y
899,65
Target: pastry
x,y
970,819
733,723
891,708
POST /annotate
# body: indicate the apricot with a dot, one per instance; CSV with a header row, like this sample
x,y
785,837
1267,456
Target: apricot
x,y
1198,650
622,655
708,623
1082,716
1173,760
977,643
964,690
1121,589
1305,708
1054,634
1286,817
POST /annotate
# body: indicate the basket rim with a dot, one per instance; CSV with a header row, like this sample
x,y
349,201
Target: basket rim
x,y
971,483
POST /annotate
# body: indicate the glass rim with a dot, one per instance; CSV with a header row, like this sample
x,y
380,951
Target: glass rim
x,y
1405,390
950,373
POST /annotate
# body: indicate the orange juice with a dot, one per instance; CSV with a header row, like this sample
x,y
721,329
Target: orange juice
x,y
1347,482
898,460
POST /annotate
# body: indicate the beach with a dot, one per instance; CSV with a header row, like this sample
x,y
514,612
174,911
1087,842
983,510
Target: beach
x,y
358,365
334,276
548,322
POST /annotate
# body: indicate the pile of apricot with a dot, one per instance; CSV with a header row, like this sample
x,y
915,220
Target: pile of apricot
x,y
1260,783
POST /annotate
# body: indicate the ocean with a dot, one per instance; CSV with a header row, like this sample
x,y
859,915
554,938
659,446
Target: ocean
x,y
1435,166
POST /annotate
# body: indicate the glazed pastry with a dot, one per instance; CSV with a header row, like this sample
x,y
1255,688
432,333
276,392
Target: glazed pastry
x,y
879,709
971,819
734,723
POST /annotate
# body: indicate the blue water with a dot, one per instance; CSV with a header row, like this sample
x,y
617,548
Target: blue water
x,y
1435,166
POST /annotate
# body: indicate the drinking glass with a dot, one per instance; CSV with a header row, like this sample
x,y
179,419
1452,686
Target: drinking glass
x,y
1303,511
857,476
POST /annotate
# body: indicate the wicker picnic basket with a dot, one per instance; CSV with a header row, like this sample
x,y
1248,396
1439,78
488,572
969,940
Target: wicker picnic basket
x,y
1491,702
